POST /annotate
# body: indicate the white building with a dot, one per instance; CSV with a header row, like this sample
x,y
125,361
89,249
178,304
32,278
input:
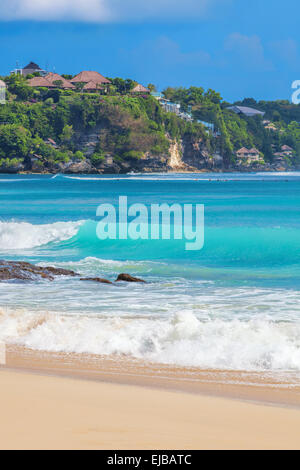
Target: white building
x,y
2,92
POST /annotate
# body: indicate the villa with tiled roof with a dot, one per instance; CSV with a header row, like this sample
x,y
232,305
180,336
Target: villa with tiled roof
x,y
140,89
40,82
90,76
247,156
54,78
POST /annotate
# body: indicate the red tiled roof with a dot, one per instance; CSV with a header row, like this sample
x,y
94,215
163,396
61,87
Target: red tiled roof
x,y
40,82
243,150
55,77
91,86
51,141
140,89
89,76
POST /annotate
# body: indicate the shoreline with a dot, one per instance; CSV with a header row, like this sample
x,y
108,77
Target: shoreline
x,y
254,387
179,171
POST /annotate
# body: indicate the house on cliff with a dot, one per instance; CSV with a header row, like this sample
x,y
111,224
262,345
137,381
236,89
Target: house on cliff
x,y
51,80
140,89
30,69
59,82
91,81
247,157
2,92
246,111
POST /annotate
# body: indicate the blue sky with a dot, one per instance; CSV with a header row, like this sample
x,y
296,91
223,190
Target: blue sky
x,y
242,48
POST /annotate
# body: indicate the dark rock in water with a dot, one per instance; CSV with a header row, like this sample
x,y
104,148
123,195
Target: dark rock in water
x,y
20,270
128,278
96,279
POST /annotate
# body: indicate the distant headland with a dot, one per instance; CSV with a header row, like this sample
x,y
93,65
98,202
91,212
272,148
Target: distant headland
x,y
89,123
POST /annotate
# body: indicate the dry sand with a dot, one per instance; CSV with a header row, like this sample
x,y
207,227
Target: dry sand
x,y
42,412
55,401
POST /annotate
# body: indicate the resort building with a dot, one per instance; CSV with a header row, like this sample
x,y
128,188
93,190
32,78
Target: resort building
x,y
140,89
2,92
91,86
58,81
40,82
249,112
175,108
30,69
52,80
87,77
287,150
271,127
245,156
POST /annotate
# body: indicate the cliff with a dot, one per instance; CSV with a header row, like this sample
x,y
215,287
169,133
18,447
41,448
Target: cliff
x,y
69,131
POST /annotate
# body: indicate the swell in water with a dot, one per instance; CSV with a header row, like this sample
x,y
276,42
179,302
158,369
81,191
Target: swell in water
x,y
246,247
233,305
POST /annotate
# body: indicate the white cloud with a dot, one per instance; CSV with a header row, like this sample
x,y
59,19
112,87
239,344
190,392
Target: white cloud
x,y
287,50
84,10
169,53
248,49
103,10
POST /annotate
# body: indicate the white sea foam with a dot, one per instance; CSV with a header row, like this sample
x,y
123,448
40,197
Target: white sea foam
x,y
192,177
22,235
182,339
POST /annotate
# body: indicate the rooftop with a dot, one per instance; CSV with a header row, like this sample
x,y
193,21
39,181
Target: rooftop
x,y
91,86
245,110
32,66
90,76
55,77
140,89
40,82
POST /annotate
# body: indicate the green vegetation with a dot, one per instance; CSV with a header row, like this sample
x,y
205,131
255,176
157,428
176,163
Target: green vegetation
x,y
49,126
240,131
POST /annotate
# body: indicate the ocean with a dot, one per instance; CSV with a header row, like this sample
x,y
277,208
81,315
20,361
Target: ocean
x,y
234,305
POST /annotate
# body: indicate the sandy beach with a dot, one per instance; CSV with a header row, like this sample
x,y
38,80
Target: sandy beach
x,y
51,402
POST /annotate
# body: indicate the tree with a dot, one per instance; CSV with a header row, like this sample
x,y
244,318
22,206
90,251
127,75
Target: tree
x,y
67,133
152,87
123,86
58,83
15,141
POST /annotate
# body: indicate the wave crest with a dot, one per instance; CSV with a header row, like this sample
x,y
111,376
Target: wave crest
x,y
23,235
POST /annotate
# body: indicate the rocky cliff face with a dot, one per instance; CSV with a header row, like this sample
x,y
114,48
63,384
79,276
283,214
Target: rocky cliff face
x,y
183,155
196,155
176,153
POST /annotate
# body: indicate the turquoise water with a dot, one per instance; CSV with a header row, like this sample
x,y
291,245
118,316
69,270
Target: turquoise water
x,y
232,305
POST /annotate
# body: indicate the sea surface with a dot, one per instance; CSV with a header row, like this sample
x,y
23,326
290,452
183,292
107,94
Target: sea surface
x,y
234,305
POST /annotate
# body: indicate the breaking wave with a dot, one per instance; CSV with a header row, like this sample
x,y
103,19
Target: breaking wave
x,y
22,235
183,339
